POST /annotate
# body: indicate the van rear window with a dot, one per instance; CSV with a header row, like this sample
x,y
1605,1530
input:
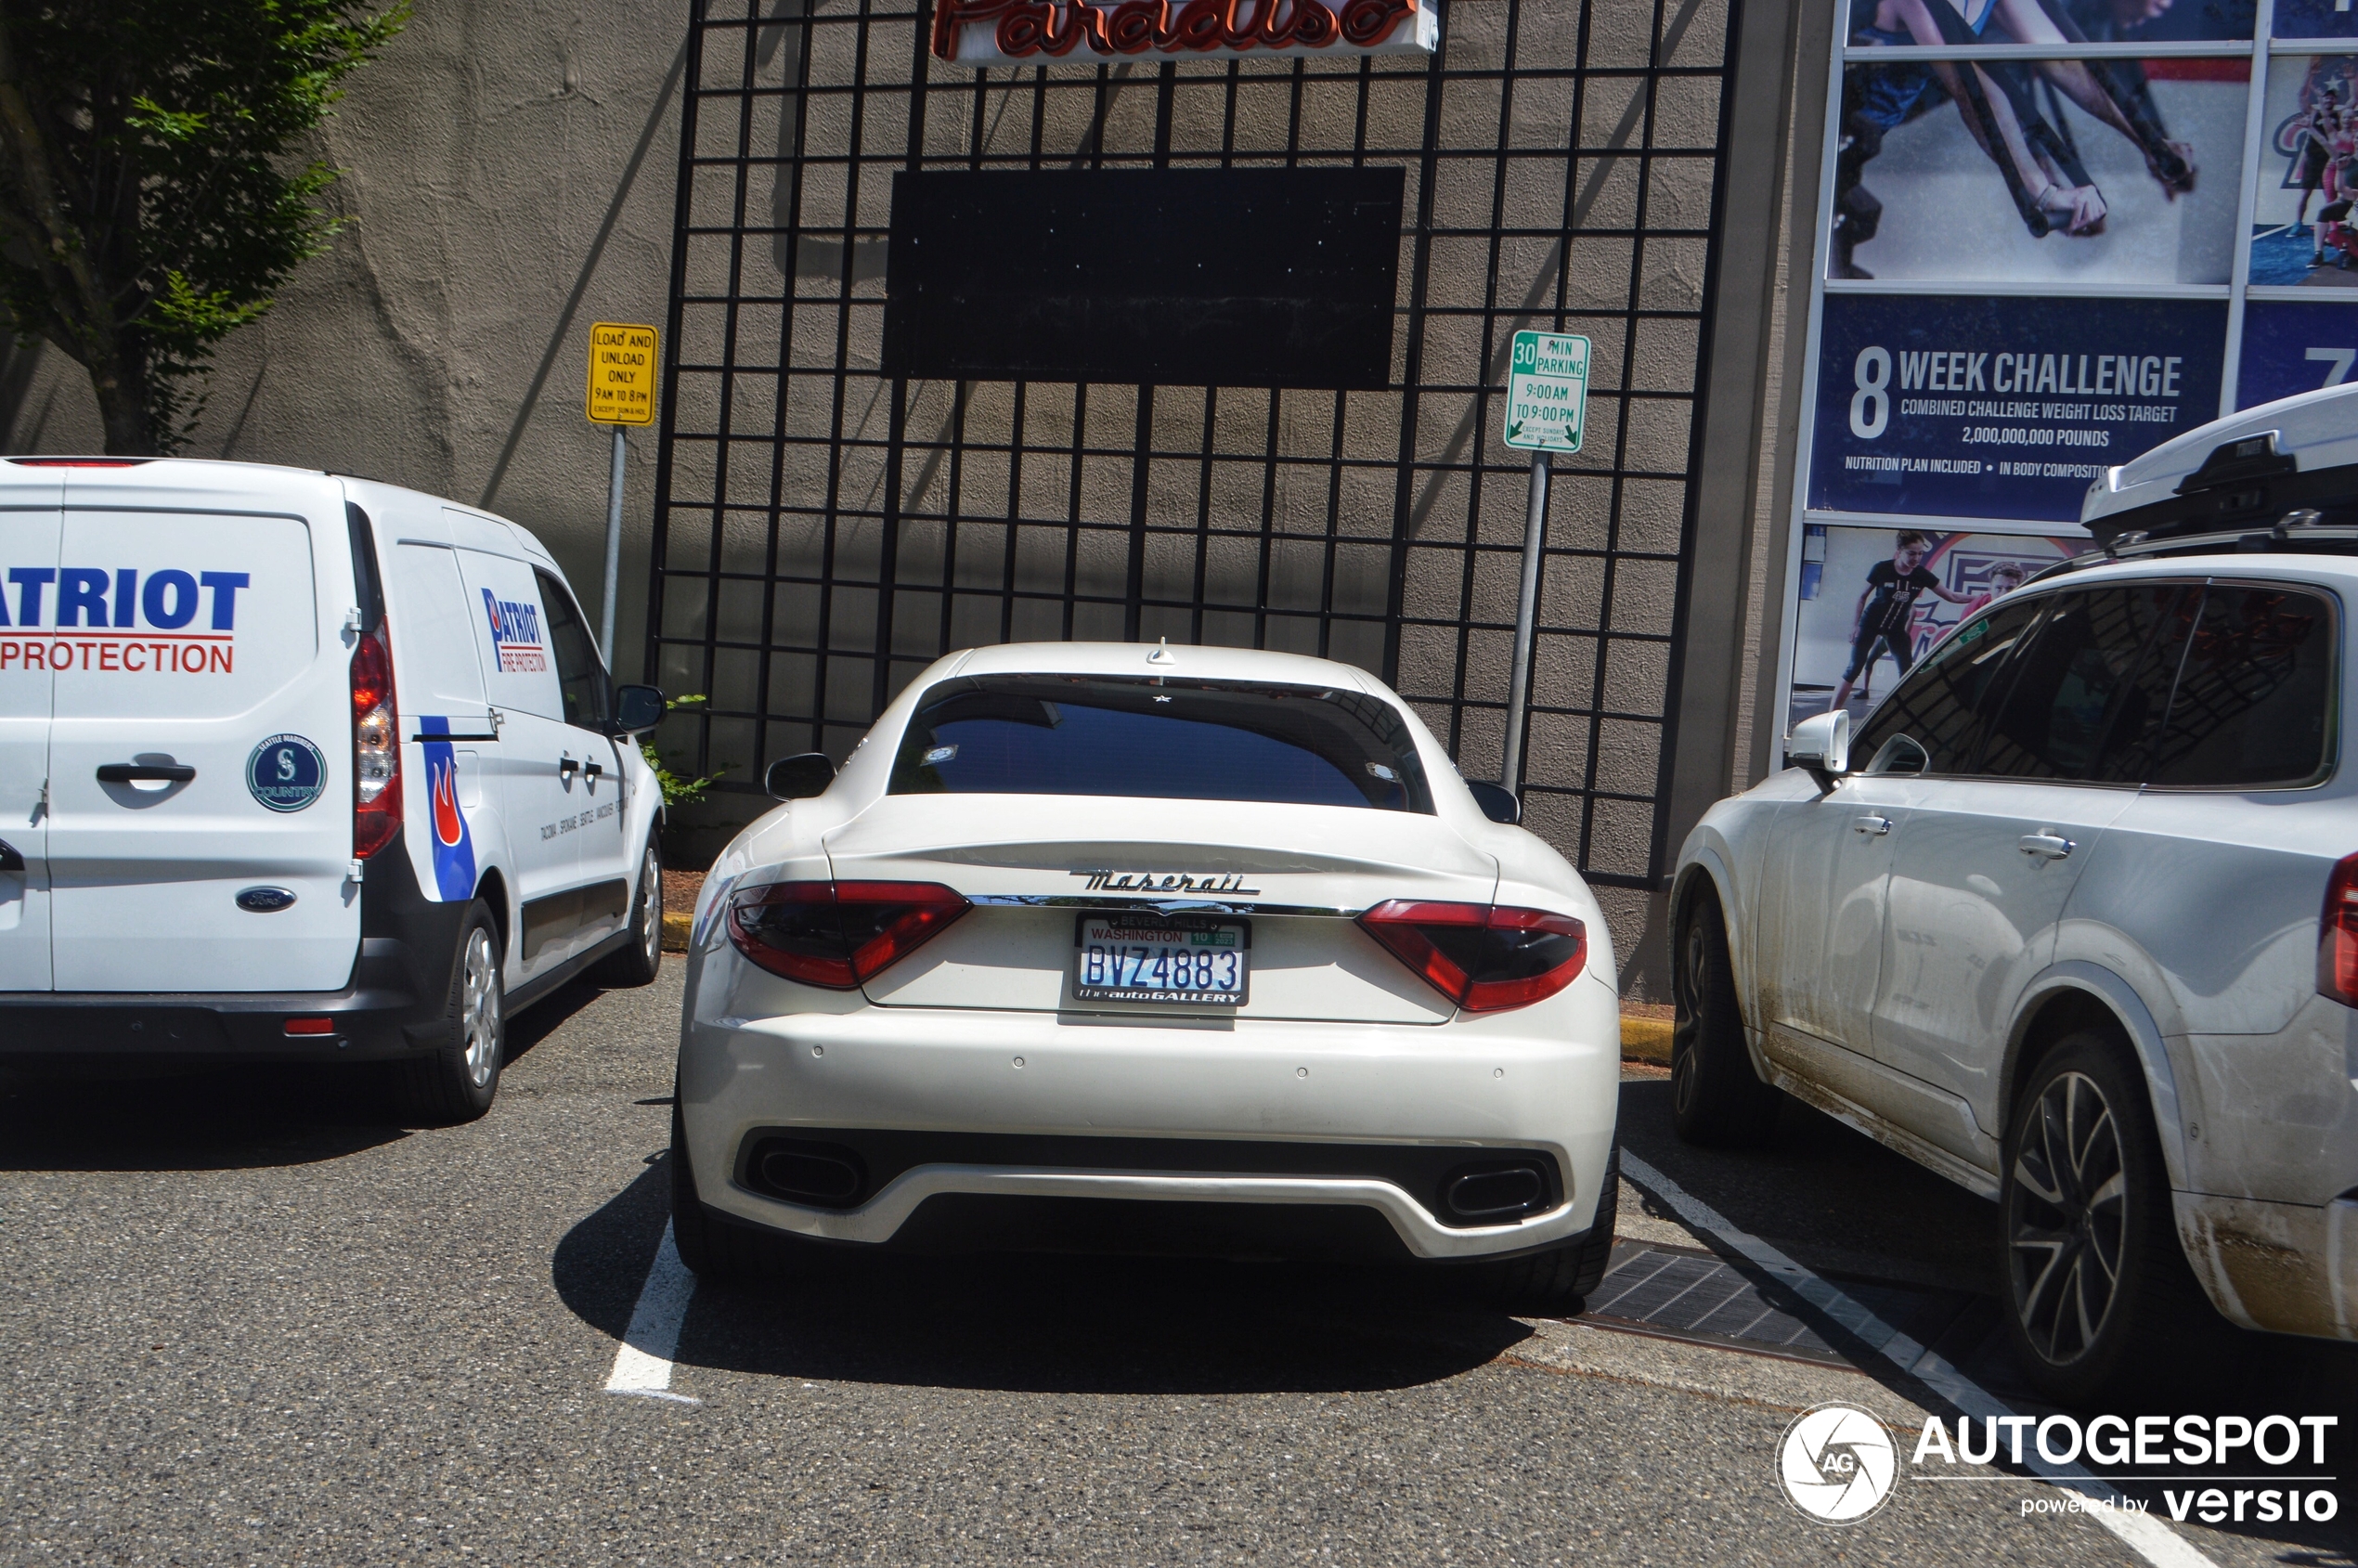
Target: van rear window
x,y
1163,739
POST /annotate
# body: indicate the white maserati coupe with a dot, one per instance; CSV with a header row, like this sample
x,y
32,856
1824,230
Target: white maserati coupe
x,y
1196,950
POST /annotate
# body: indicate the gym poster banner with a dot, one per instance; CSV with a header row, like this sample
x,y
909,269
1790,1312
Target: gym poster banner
x,y
1873,599
1942,406
2103,172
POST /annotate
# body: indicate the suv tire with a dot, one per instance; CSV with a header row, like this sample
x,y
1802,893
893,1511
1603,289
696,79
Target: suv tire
x,y
457,1079
640,958
1716,1097
2098,1292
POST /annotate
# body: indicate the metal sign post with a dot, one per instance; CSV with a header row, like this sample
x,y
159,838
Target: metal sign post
x,y
1546,403
622,391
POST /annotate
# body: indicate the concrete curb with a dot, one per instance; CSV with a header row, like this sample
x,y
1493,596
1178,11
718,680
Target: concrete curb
x,y
1646,1040
676,925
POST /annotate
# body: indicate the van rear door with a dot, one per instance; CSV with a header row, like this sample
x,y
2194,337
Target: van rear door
x,y
28,565
201,753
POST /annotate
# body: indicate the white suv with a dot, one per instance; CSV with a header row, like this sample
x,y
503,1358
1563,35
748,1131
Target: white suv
x,y
301,767
2079,930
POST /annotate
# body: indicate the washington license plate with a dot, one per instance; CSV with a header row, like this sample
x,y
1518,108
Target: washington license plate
x,y
1162,958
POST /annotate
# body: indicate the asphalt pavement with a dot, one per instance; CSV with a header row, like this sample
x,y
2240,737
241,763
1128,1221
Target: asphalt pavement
x,y
247,1322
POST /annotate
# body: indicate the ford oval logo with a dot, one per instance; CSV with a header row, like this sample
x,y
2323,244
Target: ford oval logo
x,y
264,900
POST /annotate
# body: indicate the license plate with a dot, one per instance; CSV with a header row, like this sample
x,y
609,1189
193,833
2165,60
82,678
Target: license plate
x,y
1183,958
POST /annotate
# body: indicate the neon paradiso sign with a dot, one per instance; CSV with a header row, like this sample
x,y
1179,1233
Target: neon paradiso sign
x,y
989,32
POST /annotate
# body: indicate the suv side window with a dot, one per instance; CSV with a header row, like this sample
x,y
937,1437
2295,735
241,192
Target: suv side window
x,y
2253,703
2092,685
579,674
1931,723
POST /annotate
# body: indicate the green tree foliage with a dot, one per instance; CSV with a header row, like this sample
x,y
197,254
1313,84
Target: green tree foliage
x,y
150,199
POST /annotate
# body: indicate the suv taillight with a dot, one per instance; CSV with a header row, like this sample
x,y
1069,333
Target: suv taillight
x,y
1484,957
375,747
2337,936
837,934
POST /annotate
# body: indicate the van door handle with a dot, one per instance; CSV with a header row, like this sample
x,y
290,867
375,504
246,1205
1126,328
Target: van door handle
x,y
567,767
2045,846
592,770
144,773
10,859
1876,826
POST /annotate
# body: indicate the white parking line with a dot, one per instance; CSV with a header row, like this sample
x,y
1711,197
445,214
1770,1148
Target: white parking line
x,y
642,1367
2148,1537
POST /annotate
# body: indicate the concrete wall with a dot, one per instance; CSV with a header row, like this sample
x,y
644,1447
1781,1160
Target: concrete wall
x,y
512,165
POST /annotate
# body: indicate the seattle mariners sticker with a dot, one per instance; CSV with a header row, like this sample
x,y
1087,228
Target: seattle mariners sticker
x,y
286,772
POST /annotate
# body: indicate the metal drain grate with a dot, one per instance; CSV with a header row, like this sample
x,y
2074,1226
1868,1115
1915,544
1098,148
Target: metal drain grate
x,y
1684,1293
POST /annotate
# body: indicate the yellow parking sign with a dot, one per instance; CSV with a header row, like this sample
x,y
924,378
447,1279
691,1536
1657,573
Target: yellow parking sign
x,y
622,373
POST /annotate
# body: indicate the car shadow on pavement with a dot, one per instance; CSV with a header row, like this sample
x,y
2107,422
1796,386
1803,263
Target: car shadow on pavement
x,y
1041,1323
218,1119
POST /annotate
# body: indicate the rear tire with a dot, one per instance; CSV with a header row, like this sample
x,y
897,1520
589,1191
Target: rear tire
x,y
457,1079
1716,1099
715,1251
2098,1291
640,958
1555,1283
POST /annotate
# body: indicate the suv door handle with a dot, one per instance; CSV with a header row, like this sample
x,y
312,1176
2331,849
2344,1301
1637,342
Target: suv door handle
x,y
1878,826
144,773
2048,846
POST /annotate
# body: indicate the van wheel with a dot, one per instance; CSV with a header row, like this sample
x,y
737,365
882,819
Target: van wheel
x,y
641,956
1716,1097
457,1079
2097,1285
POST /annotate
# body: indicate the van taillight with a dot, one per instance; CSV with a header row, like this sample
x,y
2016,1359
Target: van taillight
x,y
2337,936
375,749
1484,957
837,934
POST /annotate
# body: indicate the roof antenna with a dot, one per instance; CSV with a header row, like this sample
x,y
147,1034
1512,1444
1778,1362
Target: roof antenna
x,y
1162,654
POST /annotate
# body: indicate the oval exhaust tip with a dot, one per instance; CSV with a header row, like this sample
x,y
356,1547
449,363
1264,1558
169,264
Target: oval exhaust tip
x,y
1499,1193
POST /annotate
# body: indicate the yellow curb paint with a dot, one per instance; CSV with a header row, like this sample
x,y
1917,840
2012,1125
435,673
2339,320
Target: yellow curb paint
x,y
1646,1040
676,925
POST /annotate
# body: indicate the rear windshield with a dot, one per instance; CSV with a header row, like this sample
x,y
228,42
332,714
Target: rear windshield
x,y
1162,739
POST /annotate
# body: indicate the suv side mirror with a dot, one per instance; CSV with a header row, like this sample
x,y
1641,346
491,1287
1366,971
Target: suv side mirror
x,y
799,778
1497,802
1822,745
637,709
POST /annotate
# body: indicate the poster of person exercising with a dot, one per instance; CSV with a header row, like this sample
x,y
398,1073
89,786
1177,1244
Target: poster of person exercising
x,y
1874,600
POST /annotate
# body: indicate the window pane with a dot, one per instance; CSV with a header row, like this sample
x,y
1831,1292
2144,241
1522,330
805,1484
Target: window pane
x,y
2252,702
2090,681
2166,613
1200,740
578,672
1930,724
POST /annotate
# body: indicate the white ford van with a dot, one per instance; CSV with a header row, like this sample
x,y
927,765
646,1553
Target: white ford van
x,y
294,766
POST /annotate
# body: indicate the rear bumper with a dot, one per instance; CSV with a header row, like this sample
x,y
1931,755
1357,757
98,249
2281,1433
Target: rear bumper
x,y
2291,1268
1543,1081
399,987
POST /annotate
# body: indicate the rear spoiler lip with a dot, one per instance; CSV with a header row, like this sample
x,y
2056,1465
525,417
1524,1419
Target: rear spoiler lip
x,y
1158,906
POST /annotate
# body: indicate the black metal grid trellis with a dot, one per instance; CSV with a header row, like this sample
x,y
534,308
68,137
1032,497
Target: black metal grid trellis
x,y
822,531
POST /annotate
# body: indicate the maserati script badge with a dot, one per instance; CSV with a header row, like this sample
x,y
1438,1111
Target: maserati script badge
x,y
1163,882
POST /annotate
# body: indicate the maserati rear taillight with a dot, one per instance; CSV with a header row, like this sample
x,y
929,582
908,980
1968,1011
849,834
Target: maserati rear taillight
x,y
2337,936
837,934
376,749
1484,957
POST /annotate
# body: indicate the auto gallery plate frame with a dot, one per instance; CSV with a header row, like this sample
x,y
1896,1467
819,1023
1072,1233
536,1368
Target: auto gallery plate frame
x,y
1979,351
